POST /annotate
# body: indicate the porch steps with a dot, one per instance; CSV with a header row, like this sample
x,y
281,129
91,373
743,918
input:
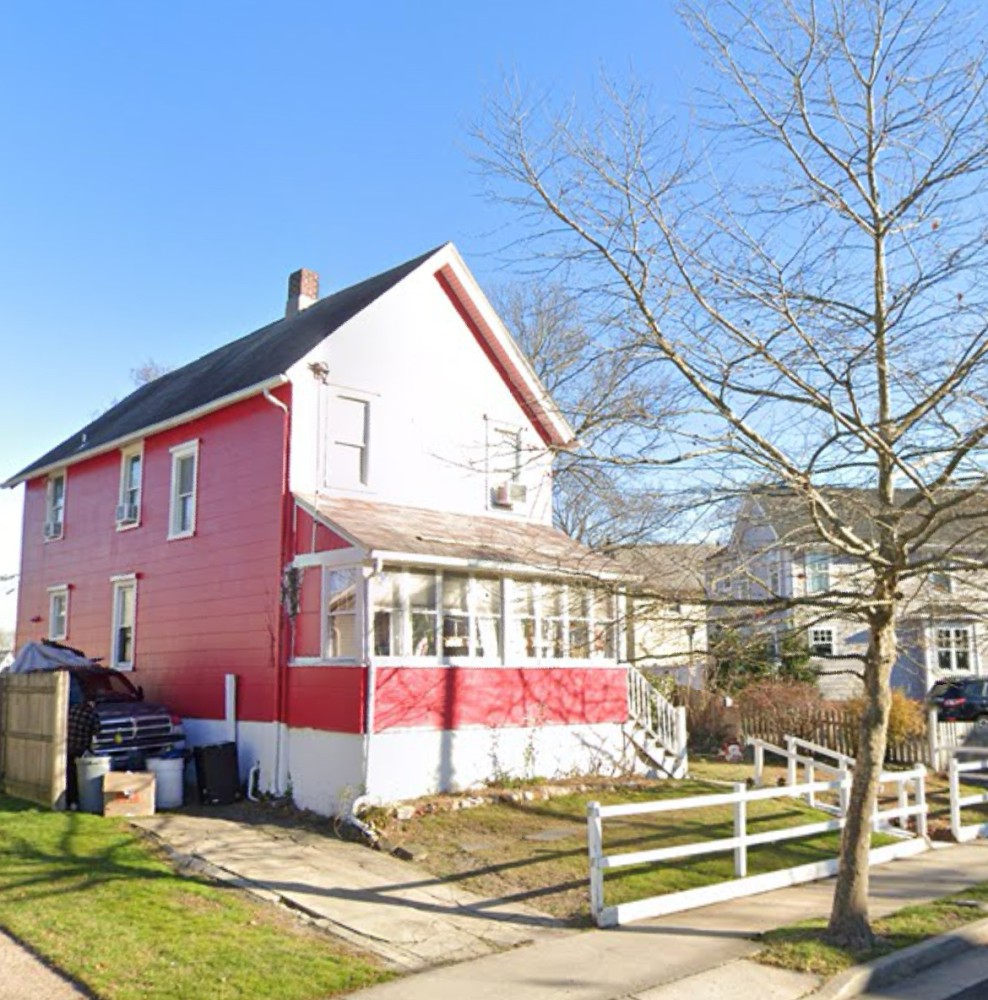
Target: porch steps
x,y
656,728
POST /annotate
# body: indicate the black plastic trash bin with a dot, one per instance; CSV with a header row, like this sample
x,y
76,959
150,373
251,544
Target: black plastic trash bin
x,y
217,774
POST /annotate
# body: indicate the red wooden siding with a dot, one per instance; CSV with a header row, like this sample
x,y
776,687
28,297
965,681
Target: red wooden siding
x,y
328,698
206,605
313,536
450,697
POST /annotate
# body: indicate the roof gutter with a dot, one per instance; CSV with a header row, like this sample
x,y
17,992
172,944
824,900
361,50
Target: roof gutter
x,y
164,425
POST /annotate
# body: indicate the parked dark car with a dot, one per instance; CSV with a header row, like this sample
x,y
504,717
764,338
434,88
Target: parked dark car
x,y
130,728
961,699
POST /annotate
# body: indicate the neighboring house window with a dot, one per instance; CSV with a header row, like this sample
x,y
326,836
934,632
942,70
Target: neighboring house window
x,y
341,638
348,439
954,648
941,581
129,505
55,506
817,572
58,612
775,578
185,476
822,641
124,622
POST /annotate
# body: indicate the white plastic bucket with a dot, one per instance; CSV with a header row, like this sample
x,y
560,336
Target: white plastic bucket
x,y
169,781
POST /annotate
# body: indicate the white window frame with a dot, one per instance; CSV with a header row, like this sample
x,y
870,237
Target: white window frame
x,y
59,591
358,613
51,532
178,453
333,441
123,496
120,584
817,638
952,649
819,565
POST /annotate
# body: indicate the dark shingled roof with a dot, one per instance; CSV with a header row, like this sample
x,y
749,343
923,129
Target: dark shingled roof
x,y
252,360
963,522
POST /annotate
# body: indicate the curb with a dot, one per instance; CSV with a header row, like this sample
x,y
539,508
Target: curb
x,y
907,962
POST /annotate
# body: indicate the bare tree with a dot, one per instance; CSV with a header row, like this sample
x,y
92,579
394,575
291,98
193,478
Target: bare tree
x,y
595,500
810,267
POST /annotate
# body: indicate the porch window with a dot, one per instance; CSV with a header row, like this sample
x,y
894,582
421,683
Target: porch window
x,y
580,613
389,615
486,592
341,640
822,641
604,626
553,643
522,619
954,649
422,593
456,615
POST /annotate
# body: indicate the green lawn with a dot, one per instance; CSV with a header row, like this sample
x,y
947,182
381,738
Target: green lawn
x,y
536,851
99,902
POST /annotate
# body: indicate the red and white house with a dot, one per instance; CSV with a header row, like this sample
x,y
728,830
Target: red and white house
x,y
331,539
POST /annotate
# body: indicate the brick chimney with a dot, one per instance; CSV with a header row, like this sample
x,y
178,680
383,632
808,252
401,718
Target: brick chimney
x,y
303,290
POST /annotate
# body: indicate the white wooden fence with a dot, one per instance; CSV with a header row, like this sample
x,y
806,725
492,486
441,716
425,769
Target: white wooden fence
x,y
743,884
963,832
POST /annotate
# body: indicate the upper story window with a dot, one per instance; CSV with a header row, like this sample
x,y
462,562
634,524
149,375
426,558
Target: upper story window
x,y
55,506
955,649
941,580
129,501
182,501
347,442
124,623
817,572
58,612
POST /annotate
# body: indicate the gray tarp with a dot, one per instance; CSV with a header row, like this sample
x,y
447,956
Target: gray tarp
x,y
38,656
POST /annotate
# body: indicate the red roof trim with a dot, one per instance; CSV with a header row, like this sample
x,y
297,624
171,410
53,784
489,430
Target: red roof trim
x,y
497,354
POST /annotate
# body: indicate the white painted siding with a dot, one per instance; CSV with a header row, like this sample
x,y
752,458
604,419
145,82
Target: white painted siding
x,y
433,400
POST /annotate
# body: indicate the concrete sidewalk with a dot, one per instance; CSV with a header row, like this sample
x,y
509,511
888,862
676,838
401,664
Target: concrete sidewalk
x,y
697,955
504,949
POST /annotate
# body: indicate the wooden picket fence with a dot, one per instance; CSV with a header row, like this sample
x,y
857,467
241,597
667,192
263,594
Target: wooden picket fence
x,y
837,727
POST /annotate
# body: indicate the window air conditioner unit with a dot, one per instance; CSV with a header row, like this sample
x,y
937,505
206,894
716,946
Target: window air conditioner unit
x,y
501,496
53,529
517,492
126,513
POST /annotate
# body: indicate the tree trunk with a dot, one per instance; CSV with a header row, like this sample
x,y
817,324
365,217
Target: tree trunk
x,y
849,923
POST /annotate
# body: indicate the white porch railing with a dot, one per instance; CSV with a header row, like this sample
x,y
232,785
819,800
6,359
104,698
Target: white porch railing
x,y
739,843
964,832
658,720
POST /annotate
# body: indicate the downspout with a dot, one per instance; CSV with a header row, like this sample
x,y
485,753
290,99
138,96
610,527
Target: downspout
x,y
369,696
281,659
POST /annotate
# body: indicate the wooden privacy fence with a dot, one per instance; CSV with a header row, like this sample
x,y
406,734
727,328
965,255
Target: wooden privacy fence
x,y
744,884
836,728
33,716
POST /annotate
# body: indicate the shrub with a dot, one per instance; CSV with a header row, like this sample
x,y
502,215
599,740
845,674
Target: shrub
x,y
907,718
772,709
709,722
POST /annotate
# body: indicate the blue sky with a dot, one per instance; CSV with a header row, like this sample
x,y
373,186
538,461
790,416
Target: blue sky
x,y
166,166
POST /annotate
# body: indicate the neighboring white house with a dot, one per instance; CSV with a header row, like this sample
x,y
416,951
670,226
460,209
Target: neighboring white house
x,y
667,616
775,556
